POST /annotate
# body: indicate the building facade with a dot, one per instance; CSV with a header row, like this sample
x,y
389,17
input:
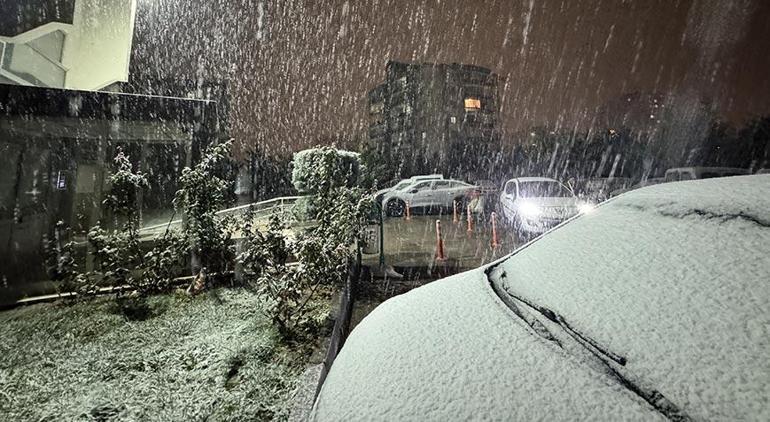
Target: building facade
x,y
431,117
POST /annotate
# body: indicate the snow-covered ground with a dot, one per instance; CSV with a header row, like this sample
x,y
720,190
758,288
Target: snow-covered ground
x,y
212,357
656,305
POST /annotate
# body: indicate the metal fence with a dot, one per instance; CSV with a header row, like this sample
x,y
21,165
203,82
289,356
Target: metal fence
x,y
342,325
260,209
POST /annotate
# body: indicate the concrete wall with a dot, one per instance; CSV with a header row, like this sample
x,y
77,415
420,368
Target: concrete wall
x,y
97,51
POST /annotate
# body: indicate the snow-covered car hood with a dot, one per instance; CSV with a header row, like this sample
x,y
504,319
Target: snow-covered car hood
x,y
380,194
654,306
451,350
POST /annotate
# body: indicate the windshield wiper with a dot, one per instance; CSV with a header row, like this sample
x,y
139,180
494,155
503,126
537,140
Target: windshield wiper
x,y
559,320
655,398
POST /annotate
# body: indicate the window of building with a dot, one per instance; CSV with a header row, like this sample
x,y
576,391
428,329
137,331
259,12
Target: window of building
x,y
472,104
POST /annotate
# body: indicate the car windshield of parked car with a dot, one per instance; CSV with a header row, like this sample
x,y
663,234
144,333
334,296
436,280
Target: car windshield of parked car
x,y
543,189
402,184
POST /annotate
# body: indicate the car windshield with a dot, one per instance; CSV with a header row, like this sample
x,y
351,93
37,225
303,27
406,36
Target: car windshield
x,y
403,184
543,189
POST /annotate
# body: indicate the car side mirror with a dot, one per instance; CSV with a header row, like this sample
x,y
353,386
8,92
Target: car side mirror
x,y
413,191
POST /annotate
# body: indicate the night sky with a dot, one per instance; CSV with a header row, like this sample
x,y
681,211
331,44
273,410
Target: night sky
x,y
299,70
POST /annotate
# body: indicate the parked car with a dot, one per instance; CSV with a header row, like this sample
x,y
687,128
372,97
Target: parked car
x,y
486,186
425,194
647,182
693,173
404,183
641,310
533,205
483,199
598,189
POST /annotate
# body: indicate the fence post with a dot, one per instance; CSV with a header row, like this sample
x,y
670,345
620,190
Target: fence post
x,y
455,218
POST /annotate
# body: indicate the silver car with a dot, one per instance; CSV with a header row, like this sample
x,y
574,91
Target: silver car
x,y
426,194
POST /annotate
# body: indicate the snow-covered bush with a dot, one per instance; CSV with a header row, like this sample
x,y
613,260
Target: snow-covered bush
x,y
163,262
290,293
202,192
258,249
117,252
124,184
341,215
324,168
294,296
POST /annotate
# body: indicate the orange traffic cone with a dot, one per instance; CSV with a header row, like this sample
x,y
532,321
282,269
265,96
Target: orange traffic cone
x,y
440,256
408,215
495,241
470,221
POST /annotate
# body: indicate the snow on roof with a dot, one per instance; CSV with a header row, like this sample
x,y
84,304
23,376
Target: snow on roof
x,y
673,278
534,179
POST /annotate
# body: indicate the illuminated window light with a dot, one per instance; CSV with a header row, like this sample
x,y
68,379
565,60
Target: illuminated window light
x,y
472,104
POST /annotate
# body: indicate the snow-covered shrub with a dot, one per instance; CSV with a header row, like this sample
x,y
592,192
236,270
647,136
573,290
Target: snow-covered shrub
x,y
116,254
202,192
324,168
341,215
117,251
124,184
291,293
163,262
258,249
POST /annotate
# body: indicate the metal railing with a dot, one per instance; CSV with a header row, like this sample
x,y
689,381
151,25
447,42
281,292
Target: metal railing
x,y
261,209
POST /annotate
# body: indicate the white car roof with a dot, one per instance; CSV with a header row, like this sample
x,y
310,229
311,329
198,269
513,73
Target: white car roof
x,y
709,169
427,177
664,288
534,179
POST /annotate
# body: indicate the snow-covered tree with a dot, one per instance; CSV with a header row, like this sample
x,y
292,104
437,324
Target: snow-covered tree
x,y
201,194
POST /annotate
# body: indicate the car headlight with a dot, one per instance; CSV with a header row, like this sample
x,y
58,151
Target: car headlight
x,y
585,208
529,210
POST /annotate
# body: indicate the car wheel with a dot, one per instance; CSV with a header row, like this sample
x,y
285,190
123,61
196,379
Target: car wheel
x,y
395,208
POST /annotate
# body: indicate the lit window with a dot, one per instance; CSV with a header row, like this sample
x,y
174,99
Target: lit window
x,y
472,104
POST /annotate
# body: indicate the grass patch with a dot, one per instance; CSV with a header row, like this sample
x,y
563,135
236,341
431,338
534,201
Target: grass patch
x,y
214,357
